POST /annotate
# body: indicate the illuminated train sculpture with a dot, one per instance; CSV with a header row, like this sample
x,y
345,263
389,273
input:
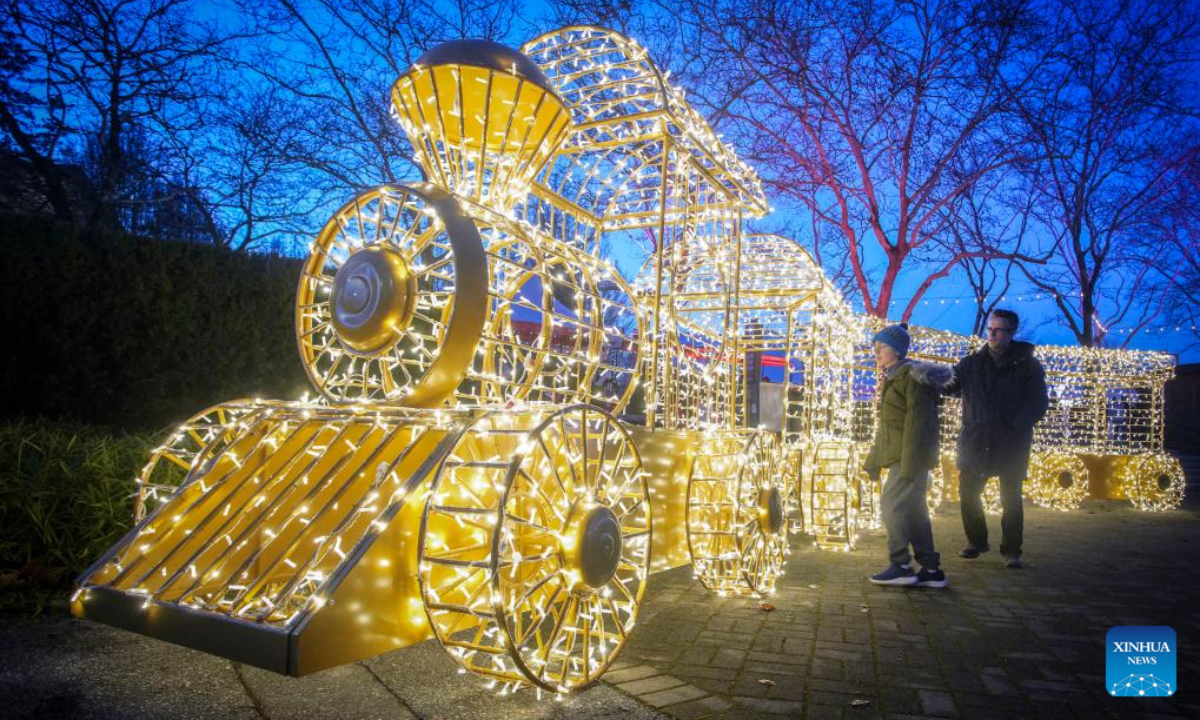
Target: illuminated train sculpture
x,y
509,436
465,474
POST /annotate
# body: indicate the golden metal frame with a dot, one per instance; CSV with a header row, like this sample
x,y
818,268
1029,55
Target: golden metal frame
x,y
737,519
1153,481
1058,481
207,431
425,359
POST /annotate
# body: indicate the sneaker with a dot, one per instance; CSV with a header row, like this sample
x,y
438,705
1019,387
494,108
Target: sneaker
x,y
971,552
895,575
1013,563
931,578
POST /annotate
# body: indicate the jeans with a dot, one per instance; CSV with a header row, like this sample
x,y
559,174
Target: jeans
x,y
1012,521
906,518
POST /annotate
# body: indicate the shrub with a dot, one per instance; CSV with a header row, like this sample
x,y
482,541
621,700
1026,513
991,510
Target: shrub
x,y
136,333
66,495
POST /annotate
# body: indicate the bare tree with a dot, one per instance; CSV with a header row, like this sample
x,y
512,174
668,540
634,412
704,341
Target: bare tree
x,y
248,171
992,227
1174,240
335,78
32,124
876,117
1108,118
104,69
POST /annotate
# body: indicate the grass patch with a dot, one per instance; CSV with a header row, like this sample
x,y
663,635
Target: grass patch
x,y
66,495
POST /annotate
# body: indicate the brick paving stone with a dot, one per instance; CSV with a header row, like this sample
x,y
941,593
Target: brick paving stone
x,y
716,686
1051,686
750,685
832,698
728,658
825,712
834,686
768,643
996,644
998,685
778,658
627,673
789,690
704,671
797,646
899,700
937,703
650,684
698,709
672,696
828,668
962,680
774,707
967,701
771,668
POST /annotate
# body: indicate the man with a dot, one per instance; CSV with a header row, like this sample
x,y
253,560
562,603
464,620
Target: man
x,y
1003,391
906,443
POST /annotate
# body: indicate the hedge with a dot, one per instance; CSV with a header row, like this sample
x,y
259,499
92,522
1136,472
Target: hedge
x,y
138,334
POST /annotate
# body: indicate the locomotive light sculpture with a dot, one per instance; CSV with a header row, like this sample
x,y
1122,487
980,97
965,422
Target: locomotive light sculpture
x,y
465,474
509,437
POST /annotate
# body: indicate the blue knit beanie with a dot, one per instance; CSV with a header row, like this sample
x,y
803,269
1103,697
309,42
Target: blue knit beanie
x,y
894,336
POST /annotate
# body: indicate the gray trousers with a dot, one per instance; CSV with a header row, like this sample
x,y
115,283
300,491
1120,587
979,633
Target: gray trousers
x,y
906,518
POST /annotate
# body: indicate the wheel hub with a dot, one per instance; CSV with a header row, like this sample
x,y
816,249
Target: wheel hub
x,y
372,300
1065,479
770,510
593,546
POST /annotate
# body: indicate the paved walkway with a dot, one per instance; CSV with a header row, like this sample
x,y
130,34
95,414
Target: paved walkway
x,y
997,644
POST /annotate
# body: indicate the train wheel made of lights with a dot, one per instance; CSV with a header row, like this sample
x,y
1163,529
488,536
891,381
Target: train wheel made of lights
x,y
936,490
866,496
794,474
737,516
832,493
992,504
534,546
1059,481
169,464
1154,482
392,298
507,364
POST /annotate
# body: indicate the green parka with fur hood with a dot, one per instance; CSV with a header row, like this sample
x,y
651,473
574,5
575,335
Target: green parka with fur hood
x,y
908,429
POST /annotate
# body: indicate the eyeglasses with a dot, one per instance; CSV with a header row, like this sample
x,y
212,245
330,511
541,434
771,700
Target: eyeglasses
x,y
997,330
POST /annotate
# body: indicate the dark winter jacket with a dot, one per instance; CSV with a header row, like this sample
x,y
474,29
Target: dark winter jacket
x,y
906,431
1001,402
